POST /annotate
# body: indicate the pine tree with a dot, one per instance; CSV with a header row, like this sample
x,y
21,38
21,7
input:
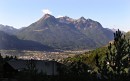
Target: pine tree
x,y
116,61
118,54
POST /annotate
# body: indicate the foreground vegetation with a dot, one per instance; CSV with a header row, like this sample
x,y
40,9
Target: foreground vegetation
x,y
110,63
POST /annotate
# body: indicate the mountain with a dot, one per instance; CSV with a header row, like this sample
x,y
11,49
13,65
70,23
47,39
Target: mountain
x,y
92,29
49,31
66,33
13,43
8,29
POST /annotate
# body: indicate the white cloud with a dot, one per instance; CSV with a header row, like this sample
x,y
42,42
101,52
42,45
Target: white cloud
x,y
46,11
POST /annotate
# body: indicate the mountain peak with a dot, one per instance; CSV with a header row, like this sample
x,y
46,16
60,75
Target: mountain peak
x,y
7,29
81,19
66,19
48,16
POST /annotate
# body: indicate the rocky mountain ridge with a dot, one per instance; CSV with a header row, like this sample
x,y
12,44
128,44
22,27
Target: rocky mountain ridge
x,y
66,33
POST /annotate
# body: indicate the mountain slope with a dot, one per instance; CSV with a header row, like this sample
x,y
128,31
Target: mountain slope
x,y
67,33
8,29
12,42
49,31
92,29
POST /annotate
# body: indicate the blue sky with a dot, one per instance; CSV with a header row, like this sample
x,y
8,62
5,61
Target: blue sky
x,y
110,13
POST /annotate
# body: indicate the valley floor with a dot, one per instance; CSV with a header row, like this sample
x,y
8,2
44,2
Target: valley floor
x,y
41,55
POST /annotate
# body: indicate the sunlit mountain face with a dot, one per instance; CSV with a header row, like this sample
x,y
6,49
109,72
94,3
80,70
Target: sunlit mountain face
x,y
67,33
63,33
